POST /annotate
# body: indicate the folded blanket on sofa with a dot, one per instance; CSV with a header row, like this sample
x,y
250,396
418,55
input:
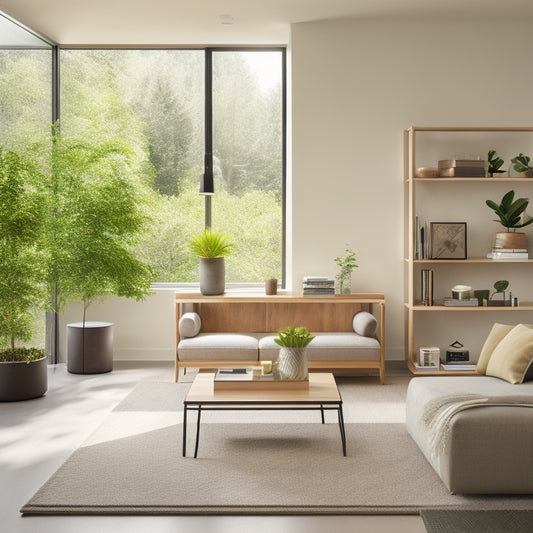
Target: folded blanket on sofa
x,y
438,414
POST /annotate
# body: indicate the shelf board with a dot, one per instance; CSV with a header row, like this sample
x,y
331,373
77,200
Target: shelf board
x,y
469,179
471,260
413,370
479,309
468,128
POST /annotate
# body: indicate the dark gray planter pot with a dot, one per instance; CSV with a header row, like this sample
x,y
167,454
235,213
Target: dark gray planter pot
x,y
23,381
212,276
90,348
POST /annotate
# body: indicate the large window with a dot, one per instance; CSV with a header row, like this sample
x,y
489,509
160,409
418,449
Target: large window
x,y
155,100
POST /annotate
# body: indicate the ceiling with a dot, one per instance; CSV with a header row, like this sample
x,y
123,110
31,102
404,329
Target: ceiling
x,y
216,22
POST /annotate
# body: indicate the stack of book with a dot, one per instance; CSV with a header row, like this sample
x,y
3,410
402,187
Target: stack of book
x,y
318,286
508,253
461,168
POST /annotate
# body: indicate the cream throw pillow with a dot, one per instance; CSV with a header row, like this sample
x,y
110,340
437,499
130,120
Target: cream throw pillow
x,y
497,333
511,359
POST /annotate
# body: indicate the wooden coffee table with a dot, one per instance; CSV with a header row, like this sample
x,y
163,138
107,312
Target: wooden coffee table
x,y
321,395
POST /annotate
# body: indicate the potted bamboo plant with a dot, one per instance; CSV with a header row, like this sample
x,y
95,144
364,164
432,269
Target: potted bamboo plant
x,y
211,247
95,215
23,370
512,216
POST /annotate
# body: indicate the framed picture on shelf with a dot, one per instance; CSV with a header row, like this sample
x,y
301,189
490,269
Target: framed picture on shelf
x,y
448,240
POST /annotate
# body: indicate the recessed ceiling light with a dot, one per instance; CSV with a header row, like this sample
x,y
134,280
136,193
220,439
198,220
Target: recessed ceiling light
x,y
226,19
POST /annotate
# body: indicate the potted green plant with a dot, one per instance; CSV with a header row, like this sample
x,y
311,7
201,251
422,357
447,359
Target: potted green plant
x,y
211,247
495,162
94,216
521,165
346,264
292,359
512,216
23,370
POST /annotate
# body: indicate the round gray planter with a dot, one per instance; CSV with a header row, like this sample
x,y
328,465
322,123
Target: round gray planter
x,y
23,381
212,276
90,348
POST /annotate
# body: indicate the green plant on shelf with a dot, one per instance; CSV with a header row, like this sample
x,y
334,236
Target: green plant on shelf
x,y
511,213
495,162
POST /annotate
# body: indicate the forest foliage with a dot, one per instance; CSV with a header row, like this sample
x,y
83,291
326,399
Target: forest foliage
x,y
153,100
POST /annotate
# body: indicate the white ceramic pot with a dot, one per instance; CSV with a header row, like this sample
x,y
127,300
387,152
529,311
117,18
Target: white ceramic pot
x,y
292,363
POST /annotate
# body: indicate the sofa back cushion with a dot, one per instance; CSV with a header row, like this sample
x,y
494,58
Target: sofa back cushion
x,y
189,325
513,356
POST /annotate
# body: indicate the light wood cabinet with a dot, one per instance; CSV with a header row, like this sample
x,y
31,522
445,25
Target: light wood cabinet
x,y
461,199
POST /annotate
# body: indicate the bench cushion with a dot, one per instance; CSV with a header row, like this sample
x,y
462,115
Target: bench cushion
x,y
230,346
329,346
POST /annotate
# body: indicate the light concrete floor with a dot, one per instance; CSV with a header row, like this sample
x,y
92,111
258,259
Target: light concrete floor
x,y
37,436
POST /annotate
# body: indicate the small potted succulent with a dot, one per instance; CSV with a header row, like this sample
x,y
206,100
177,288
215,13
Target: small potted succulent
x,y
520,164
292,359
211,247
512,216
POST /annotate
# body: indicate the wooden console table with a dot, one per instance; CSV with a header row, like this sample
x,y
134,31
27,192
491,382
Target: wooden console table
x,y
239,312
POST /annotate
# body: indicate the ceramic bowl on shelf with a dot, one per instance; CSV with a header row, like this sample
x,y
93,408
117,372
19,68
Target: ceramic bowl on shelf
x,y
462,292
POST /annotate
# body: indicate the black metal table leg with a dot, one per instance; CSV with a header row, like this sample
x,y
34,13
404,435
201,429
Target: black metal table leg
x,y
197,431
342,429
322,412
184,430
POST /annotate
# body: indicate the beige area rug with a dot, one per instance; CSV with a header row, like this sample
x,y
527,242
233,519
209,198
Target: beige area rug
x,y
254,462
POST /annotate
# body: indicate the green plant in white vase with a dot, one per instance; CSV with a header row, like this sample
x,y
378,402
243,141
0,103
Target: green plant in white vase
x,y
292,359
346,264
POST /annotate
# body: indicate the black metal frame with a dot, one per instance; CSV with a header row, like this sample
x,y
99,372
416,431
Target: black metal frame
x,y
250,405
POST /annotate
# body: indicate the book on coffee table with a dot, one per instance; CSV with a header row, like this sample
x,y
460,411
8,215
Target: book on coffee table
x,y
251,378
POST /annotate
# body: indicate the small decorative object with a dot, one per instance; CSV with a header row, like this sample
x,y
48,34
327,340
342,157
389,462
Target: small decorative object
x,y
499,288
429,356
482,294
271,286
511,215
456,352
427,172
211,247
495,162
520,164
462,292
448,240
292,359
346,264
426,286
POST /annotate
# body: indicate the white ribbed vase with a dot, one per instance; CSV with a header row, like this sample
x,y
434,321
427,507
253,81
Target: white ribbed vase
x,y
292,363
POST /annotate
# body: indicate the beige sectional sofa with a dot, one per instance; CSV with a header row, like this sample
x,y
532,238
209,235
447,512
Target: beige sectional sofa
x,y
477,431
239,330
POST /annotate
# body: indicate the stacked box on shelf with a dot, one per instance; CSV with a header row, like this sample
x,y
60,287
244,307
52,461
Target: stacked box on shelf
x,y
461,168
318,286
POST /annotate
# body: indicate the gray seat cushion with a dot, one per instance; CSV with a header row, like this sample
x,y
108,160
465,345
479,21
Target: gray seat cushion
x,y
228,346
329,346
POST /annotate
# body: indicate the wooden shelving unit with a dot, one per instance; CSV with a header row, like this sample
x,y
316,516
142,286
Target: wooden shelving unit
x,y
413,308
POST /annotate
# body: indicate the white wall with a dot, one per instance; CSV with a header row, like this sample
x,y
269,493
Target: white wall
x,y
356,85
143,331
